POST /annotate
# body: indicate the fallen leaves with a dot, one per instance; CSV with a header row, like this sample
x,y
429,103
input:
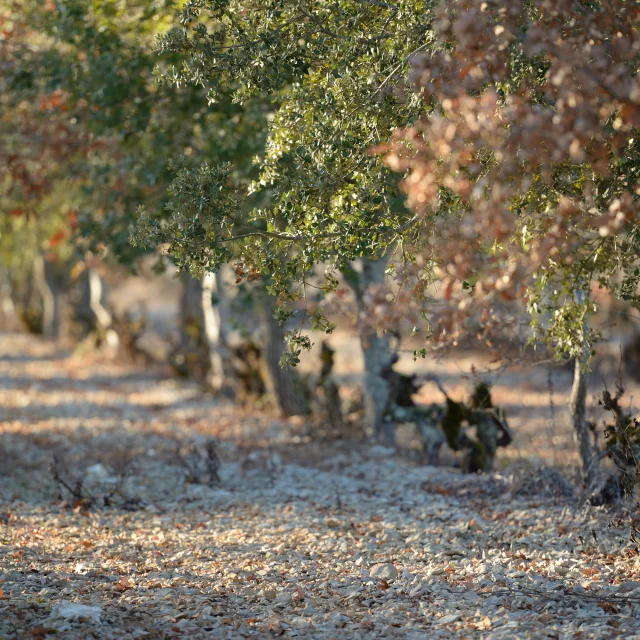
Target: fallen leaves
x,y
609,607
270,556
484,624
123,585
590,572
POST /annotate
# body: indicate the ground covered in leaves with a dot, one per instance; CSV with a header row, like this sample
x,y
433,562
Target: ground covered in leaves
x,y
150,533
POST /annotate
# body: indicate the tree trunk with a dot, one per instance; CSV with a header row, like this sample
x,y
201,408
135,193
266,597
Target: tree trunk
x,y
47,289
96,297
376,352
578,407
191,357
221,373
8,312
581,431
281,382
203,337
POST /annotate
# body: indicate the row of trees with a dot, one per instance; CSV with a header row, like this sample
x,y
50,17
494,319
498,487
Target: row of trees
x,y
442,160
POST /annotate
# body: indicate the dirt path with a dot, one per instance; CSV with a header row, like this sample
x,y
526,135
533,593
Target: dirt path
x,y
351,544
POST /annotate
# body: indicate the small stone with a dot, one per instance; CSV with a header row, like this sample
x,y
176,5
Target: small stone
x,y
75,611
378,451
452,617
269,594
384,572
476,524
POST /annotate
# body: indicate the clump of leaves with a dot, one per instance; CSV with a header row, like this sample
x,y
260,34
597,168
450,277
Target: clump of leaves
x,y
531,140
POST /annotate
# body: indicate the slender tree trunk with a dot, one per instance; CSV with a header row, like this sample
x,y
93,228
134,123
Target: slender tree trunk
x,y
191,353
376,352
281,382
95,298
221,372
203,329
8,312
578,407
581,431
47,288
189,305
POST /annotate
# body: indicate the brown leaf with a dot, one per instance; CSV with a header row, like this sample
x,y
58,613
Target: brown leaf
x,y
608,607
589,572
485,623
123,585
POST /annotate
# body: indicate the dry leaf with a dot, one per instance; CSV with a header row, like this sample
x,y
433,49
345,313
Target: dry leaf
x,y
485,623
608,607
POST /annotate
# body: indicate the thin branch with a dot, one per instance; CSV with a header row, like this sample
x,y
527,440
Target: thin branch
x,y
393,72
550,595
321,236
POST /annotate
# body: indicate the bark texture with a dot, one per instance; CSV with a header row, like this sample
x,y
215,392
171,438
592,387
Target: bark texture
x,y
203,340
376,351
578,407
581,431
221,373
281,382
47,289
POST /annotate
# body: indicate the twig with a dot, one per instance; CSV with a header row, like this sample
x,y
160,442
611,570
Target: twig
x,y
550,595
433,378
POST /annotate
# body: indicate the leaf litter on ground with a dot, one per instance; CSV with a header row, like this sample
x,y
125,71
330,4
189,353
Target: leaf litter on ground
x,y
309,541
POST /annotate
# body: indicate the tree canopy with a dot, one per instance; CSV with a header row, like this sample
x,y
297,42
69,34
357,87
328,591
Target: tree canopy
x,y
83,74
522,167
533,130
328,70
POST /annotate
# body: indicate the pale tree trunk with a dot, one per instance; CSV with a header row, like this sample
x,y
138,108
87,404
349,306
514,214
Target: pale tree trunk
x,y
578,407
376,352
203,327
8,312
47,288
581,431
96,295
281,382
221,373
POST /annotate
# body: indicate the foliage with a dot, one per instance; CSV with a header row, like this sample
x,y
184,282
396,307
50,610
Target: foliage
x,y
532,133
94,62
327,69
521,167
41,142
